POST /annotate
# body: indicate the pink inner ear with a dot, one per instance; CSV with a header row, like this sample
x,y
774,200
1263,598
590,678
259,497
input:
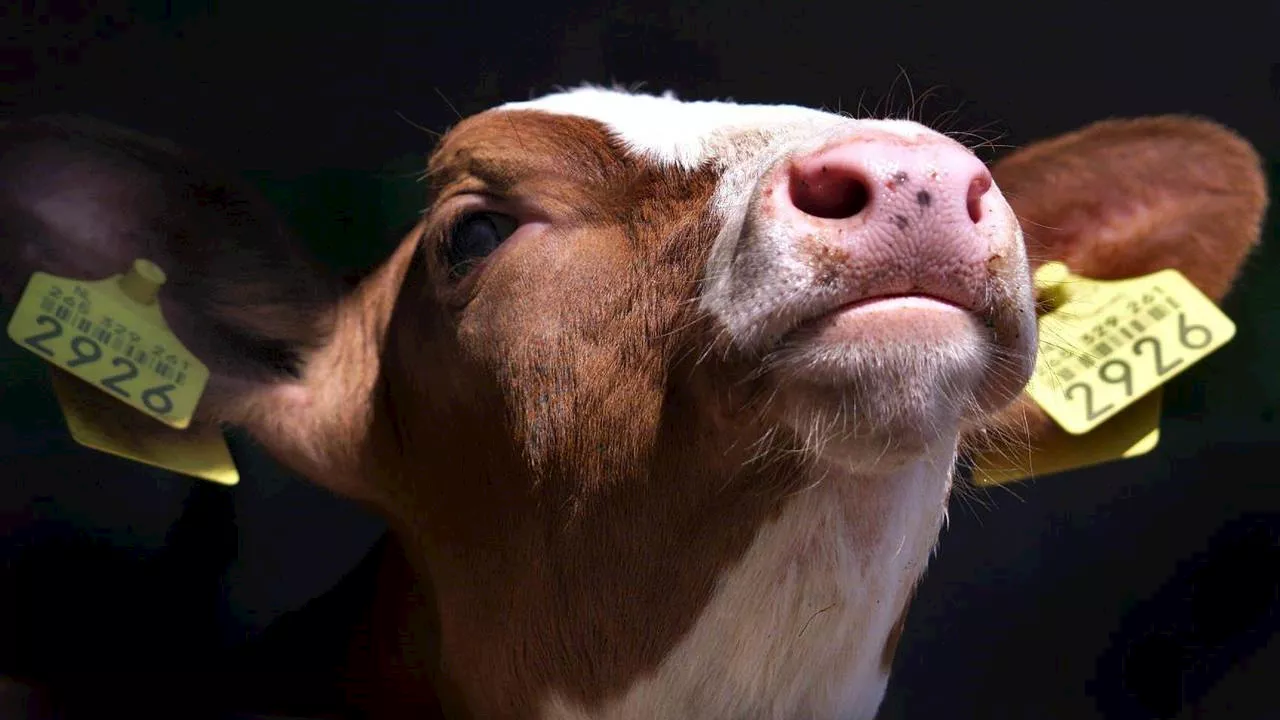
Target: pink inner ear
x,y
1129,197
71,212
89,216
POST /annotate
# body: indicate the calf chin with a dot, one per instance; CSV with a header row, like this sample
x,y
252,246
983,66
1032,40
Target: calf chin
x,y
883,408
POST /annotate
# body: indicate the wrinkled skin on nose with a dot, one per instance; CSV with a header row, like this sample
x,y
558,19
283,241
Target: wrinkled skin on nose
x,y
911,212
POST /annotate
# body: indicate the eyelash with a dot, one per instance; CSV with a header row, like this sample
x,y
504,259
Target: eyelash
x,y
472,237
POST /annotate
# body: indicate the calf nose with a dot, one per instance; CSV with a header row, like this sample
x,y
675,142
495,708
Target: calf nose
x,y
882,178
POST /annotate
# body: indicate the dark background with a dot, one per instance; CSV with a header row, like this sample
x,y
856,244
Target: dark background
x,y
1148,588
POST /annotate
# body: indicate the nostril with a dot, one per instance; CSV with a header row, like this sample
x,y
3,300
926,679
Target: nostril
x,y
978,187
828,192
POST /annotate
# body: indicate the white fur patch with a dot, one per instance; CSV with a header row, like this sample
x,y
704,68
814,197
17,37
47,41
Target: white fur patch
x,y
669,131
797,628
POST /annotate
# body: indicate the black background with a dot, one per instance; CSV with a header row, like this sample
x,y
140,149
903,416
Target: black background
x,y
1148,588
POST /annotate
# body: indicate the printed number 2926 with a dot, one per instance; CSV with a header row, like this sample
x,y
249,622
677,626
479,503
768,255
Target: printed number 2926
x,y
1118,372
87,351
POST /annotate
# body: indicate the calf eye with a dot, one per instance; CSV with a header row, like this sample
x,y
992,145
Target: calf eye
x,y
473,238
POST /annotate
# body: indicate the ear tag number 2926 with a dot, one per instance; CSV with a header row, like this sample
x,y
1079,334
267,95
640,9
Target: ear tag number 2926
x,y
110,333
1110,343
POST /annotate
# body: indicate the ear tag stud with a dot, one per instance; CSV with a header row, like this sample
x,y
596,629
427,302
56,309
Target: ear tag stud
x,y
108,339
1106,348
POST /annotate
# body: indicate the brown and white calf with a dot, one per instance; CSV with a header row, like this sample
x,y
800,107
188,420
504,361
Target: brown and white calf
x,y
660,399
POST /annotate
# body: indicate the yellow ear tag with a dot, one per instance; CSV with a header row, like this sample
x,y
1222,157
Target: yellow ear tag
x,y
108,339
110,333
97,422
1132,432
1106,347
1108,344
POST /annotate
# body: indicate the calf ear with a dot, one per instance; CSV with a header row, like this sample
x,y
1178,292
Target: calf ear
x,y
1125,198
82,199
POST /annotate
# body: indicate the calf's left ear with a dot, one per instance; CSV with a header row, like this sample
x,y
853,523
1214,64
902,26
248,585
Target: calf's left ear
x,y
1125,198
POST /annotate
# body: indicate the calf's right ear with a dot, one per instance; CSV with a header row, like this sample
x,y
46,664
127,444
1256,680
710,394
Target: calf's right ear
x,y
82,199
1125,198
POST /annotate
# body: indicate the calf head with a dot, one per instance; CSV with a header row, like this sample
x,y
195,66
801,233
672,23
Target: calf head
x,y
661,399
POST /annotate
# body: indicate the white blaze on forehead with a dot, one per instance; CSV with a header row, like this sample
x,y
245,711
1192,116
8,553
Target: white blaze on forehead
x,y
670,131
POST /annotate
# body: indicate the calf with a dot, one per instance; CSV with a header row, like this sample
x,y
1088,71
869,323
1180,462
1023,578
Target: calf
x,y
660,399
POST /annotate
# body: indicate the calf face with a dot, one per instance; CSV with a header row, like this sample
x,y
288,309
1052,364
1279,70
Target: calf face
x,y
646,349
661,399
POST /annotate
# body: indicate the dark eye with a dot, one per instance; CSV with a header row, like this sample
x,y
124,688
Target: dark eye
x,y
473,238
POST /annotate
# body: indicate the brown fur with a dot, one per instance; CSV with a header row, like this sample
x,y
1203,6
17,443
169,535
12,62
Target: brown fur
x,y
551,542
